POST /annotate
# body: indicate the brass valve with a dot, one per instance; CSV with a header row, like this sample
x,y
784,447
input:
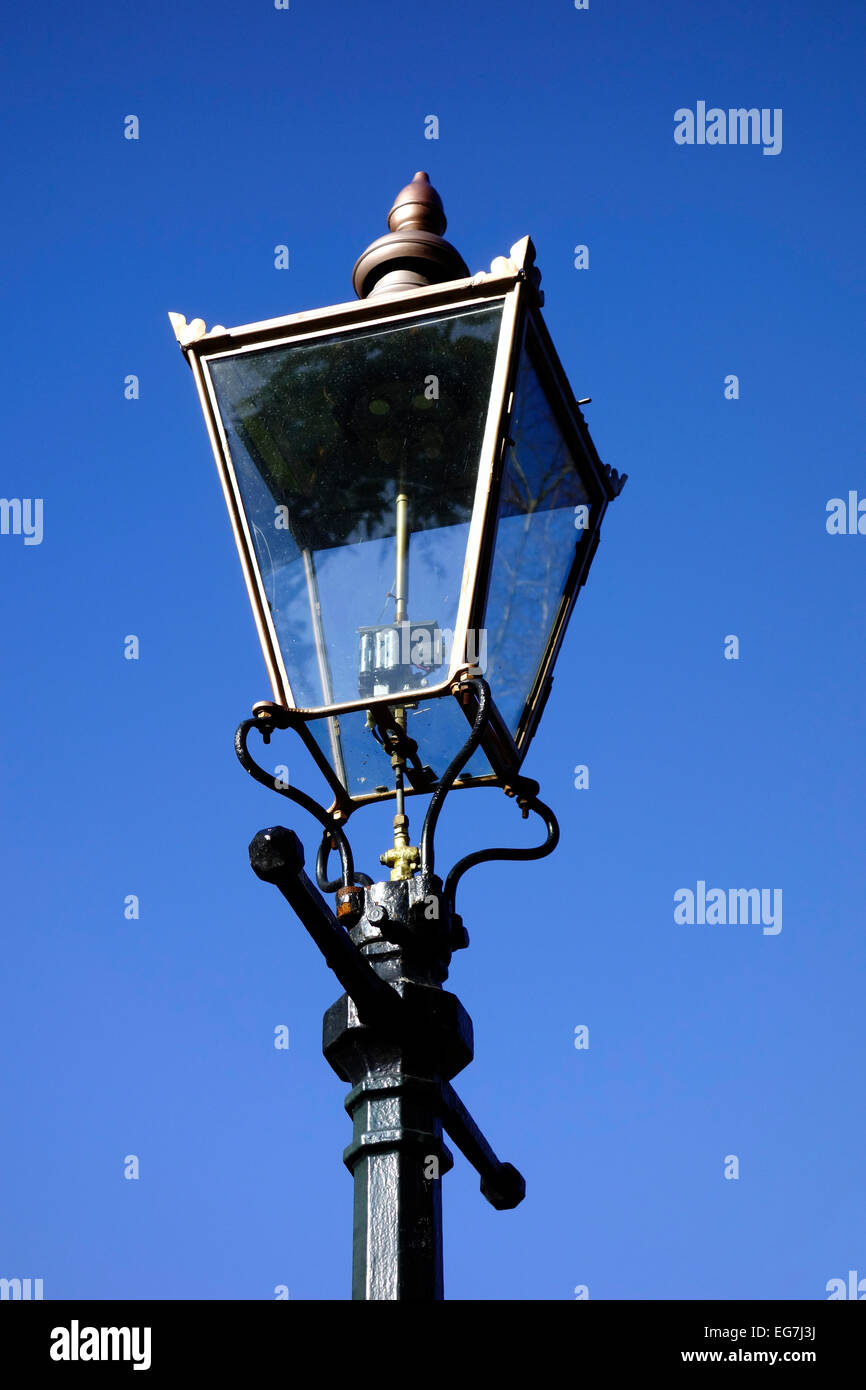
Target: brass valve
x,y
403,859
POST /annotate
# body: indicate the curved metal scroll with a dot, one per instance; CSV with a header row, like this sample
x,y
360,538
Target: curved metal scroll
x,y
452,772
332,829
483,856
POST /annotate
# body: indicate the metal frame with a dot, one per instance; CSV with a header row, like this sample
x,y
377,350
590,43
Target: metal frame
x,y
298,332
523,789
515,282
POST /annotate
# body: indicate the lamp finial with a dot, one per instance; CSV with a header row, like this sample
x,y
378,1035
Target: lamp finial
x,y
413,252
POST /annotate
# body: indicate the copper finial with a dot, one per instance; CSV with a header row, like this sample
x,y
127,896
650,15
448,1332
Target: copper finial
x,y
413,252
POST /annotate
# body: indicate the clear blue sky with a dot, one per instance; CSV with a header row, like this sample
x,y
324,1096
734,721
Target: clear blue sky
x,y
155,1037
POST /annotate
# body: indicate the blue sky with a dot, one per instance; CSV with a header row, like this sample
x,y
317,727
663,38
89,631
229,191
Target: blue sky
x,y
154,1037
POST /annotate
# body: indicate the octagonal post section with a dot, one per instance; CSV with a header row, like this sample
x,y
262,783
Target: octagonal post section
x,y
397,1156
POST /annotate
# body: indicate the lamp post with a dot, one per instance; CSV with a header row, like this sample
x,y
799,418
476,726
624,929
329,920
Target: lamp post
x,y
416,502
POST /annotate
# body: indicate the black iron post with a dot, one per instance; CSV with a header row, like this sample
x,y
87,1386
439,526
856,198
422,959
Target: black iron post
x,y
398,1156
397,1038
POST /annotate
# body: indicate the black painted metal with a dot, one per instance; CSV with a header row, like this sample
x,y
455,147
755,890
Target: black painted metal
x,y
396,1035
267,779
330,885
398,1156
484,856
501,1183
277,856
452,772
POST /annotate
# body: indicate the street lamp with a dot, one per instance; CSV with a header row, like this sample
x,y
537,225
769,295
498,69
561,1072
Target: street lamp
x,y
416,501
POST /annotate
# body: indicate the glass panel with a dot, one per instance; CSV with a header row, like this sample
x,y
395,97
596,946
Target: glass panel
x,y
438,726
544,512
357,460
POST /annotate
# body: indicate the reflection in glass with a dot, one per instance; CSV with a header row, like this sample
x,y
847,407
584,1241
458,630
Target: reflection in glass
x,y
544,512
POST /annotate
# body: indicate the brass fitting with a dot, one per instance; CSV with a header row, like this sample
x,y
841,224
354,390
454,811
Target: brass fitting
x,y
404,858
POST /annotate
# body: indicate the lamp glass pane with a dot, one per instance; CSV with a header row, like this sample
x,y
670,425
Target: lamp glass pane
x,y
438,726
324,435
545,511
